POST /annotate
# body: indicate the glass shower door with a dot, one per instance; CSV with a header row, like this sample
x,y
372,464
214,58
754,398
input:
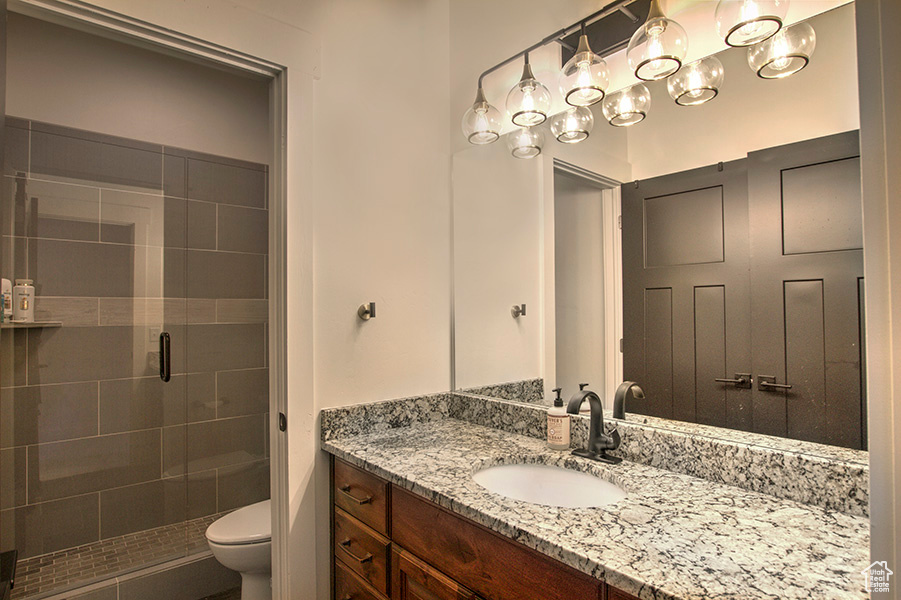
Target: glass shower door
x,y
94,482
226,338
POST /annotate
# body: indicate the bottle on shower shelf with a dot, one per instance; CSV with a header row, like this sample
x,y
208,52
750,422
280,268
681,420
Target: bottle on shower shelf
x,y
23,301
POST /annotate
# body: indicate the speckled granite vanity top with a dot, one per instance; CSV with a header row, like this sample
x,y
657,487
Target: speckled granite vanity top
x,y
673,536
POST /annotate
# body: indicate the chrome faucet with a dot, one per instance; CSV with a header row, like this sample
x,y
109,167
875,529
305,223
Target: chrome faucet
x,y
598,440
619,399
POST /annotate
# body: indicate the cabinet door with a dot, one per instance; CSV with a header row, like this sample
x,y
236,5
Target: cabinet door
x,y
615,594
412,579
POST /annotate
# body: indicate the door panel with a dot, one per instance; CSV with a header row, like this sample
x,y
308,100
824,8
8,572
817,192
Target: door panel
x,y
805,357
710,353
806,264
686,316
658,348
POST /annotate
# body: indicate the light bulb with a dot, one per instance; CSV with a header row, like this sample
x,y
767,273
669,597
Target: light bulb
x,y
785,53
525,142
572,125
584,77
482,122
528,101
696,83
748,22
780,51
657,48
627,107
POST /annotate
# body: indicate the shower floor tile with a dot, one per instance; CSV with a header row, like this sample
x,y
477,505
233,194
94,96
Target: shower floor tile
x,y
56,572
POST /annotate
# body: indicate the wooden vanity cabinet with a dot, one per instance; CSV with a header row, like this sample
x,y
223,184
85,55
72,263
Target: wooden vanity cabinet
x,y
391,543
494,566
413,579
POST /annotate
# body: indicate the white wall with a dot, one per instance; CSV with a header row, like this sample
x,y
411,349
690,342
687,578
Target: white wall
x,y
383,206
751,113
67,77
579,274
497,201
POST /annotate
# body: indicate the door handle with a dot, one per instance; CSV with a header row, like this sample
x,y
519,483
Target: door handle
x,y
165,366
742,381
768,383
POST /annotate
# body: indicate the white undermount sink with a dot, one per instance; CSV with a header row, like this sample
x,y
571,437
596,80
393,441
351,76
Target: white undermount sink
x,y
549,485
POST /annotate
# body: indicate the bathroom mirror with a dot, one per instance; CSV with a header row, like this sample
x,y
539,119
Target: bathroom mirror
x,y
701,244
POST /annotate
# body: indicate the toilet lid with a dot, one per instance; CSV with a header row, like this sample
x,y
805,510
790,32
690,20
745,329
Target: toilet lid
x,y
246,525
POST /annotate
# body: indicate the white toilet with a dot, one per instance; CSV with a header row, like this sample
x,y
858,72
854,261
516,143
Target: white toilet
x,y
242,541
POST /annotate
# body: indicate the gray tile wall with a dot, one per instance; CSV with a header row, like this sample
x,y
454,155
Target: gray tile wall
x,y
125,239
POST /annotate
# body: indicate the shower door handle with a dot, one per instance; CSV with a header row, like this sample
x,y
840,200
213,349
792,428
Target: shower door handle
x,y
165,366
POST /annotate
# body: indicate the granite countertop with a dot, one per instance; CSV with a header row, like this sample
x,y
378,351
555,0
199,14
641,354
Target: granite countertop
x,y
673,537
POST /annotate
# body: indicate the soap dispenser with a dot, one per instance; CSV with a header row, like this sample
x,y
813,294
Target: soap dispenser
x,y
557,424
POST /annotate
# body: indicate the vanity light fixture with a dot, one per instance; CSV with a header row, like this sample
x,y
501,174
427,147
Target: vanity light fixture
x,y
482,122
748,22
658,47
526,142
585,77
784,54
696,83
529,100
572,125
627,107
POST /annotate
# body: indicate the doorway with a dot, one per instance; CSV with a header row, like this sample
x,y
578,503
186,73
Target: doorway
x,y
131,236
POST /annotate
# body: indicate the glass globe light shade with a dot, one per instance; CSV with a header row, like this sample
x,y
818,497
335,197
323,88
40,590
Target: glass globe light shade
x,y
585,76
525,142
784,54
748,22
696,83
657,48
572,125
627,107
529,100
482,122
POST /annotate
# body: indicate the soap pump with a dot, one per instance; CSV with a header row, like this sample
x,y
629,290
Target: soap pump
x,y
558,424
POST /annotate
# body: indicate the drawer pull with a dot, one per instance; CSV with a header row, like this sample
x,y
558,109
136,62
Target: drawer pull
x,y
345,545
345,489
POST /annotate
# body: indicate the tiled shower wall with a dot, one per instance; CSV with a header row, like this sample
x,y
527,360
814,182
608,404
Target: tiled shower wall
x,y
125,239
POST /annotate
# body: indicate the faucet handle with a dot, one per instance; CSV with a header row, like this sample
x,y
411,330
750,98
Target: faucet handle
x,y
615,438
582,386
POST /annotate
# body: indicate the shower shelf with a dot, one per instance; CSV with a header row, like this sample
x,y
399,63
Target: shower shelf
x,y
30,325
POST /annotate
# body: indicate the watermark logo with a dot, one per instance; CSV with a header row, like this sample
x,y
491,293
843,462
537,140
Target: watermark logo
x,y
876,577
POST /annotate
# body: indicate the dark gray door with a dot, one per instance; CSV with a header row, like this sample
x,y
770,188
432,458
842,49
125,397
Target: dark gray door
x,y
754,269
686,302
806,286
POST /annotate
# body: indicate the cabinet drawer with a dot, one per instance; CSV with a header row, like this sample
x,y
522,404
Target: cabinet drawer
x,y
361,549
487,563
362,495
348,586
412,579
